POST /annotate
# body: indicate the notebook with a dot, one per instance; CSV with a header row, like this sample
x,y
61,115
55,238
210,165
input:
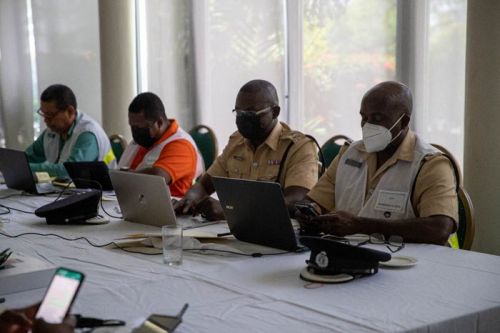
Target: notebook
x,y
88,174
17,173
143,198
256,212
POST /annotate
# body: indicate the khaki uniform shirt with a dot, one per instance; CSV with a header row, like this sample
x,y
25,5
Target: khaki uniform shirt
x,y
434,191
239,160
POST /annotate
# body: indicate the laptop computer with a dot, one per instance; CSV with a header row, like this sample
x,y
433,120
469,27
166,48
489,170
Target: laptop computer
x,y
17,173
88,174
143,198
256,212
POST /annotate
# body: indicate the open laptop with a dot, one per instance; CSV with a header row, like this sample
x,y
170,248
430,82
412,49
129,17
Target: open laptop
x,y
17,173
256,212
143,198
88,174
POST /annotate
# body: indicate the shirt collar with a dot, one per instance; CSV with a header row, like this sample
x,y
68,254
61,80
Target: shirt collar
x,y
73,125
273,138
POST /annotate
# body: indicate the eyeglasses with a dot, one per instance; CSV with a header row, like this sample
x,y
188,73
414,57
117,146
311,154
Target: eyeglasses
x,y
243,113
47,116
393,242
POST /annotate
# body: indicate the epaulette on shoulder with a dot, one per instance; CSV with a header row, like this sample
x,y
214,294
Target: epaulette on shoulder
x,y
295,136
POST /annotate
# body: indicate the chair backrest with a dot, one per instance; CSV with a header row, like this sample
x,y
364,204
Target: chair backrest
x,y
118,145
466,223
331,148
205,139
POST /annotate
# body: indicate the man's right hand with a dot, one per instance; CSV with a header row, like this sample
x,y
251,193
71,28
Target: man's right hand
x,y
41,326
19,320
210,209
12,321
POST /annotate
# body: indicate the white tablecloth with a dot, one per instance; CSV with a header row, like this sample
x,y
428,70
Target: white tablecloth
x,y
447,291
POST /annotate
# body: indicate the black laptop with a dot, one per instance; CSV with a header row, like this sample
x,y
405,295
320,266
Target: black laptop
x,y
89,175
256,212
17,173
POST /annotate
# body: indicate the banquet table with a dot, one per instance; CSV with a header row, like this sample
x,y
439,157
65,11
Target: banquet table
x,y
446,291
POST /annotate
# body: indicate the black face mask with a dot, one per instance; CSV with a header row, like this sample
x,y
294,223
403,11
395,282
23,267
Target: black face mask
x,y
250,127
142,138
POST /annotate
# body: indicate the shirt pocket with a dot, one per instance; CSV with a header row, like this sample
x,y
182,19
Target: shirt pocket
x,y
269,173
237,169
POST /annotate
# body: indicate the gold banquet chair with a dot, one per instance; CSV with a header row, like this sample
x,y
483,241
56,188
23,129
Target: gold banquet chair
x,y
466,221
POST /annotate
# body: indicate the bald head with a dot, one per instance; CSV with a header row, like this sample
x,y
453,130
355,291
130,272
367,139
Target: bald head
x,y
390,96
261,91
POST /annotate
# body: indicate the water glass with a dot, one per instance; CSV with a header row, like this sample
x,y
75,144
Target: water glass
x,y
172,244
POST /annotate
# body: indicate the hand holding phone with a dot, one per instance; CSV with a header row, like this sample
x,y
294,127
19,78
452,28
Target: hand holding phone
x,y
306,208
60,295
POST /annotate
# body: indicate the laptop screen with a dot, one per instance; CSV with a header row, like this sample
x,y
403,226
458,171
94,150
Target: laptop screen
x,y
89,175
256,212
16,170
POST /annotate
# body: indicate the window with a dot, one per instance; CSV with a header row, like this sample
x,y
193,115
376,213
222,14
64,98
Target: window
x,y
66,46
442,118
43,43
348,46
235,41
165,55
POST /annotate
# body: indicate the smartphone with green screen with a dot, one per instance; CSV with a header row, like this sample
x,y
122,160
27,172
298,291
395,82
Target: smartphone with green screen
x,y
60,295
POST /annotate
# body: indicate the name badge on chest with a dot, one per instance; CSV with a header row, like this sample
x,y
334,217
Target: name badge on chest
x,y
391,201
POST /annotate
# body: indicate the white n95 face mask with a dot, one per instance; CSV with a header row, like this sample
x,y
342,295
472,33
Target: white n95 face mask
x,y
376,137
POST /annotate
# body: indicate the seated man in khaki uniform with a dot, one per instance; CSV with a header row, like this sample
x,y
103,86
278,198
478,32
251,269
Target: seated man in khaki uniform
x,y
263,148
391,182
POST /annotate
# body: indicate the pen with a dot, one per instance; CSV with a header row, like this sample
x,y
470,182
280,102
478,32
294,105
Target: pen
x,y
224,234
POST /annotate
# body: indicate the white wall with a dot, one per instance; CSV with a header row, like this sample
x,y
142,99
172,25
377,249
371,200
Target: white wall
x,y
482,120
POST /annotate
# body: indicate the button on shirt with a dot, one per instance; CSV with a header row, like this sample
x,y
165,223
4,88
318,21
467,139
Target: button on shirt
x,y
434,192
239,160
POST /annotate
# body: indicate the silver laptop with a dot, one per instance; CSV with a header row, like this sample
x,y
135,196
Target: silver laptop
x,y
17,173
143,198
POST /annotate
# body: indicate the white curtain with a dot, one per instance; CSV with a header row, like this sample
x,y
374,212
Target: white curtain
x,y
442,117
235,41
43,42
166,56
320,55
431,60
67,49
16,96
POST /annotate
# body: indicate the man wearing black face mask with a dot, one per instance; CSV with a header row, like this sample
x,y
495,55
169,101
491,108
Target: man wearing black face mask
x,y
257,151
160,146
